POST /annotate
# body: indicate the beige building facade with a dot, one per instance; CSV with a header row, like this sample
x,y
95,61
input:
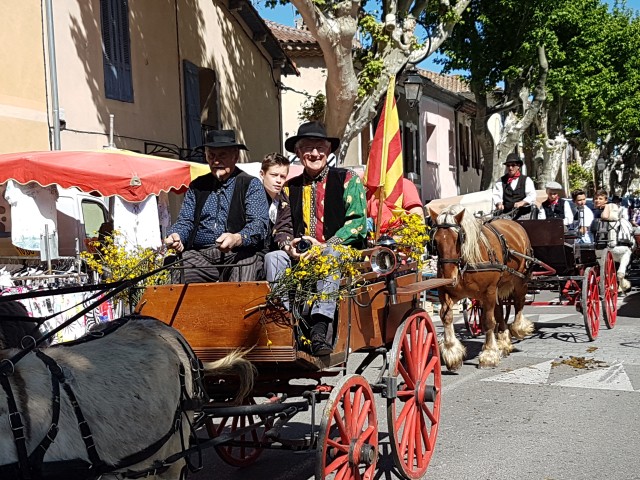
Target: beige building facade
x,y
167,71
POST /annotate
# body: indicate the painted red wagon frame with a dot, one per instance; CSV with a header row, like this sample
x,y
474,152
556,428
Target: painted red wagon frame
x,y
380,318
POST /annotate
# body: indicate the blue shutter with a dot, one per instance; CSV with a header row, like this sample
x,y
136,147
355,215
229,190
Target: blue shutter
x,y
116,49
192,104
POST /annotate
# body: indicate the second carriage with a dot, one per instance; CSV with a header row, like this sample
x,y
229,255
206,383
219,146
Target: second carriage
x,y
582,274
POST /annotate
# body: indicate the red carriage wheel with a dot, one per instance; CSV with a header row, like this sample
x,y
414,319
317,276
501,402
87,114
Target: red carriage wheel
x,y
239,456
609,291
591,302
413,415
348,437
472,314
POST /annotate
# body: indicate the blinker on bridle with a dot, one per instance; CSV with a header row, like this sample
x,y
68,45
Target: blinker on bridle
x,y
460,241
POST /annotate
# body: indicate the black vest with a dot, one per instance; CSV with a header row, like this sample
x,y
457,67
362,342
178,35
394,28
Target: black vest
x,y
202,188
511,196
554,211
334,211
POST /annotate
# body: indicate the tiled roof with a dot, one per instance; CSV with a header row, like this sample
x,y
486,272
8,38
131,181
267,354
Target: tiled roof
x,y
452,83
292,38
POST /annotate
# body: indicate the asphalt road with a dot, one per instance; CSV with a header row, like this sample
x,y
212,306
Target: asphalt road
x,y
532,417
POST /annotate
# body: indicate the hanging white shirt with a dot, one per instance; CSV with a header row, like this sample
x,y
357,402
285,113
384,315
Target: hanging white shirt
x,y
138,222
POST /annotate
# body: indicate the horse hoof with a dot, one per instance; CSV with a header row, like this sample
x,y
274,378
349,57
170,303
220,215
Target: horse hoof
x,y
489,359
454,367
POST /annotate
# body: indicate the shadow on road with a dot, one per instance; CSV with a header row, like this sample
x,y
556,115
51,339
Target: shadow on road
x,y
630,305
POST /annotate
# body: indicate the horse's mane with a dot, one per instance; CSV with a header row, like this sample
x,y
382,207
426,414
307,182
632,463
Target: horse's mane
x,y
471,251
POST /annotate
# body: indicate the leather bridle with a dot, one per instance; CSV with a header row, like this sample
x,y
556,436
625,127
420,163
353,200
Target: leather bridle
x,y
460,240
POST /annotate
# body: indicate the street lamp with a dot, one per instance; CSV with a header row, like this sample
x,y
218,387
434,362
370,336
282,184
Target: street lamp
x,y
412,86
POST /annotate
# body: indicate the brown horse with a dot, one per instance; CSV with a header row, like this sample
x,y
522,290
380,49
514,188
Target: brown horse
x,y
487,262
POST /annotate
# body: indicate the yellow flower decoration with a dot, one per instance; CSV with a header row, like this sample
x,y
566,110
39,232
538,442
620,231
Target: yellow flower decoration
x,y
113,261
301,279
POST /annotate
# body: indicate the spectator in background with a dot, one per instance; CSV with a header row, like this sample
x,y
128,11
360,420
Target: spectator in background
x,y
411,203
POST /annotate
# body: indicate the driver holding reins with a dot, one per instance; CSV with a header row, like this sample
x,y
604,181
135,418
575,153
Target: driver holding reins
x,y
514,190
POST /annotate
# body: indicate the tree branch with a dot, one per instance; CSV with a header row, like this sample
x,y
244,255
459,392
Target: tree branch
x,y
443,31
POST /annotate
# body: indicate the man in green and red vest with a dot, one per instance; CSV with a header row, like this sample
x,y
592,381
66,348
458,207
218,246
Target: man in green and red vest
x,y
328,207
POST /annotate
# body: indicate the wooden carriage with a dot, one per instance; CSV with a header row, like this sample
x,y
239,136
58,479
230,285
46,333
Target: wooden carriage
x,y
217,318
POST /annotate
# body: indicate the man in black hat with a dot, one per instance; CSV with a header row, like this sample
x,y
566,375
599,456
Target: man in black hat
x,y
328,207
514,190
224,218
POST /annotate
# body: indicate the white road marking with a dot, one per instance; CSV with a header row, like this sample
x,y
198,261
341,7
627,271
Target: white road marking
x,y
532,375
612,378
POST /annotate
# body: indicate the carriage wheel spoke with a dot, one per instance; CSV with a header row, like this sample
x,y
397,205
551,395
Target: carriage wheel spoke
x,y
364,414
342,429
338,446
407,430
333,466
407,378
408,358
406,408
425,434
429,413
426,350
357,399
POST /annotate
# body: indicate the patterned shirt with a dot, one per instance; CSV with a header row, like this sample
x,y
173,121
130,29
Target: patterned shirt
x,y
354,229
213,219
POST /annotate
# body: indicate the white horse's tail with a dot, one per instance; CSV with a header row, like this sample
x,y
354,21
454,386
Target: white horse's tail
x,y
234,364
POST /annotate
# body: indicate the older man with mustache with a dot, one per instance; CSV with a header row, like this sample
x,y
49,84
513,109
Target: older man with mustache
x,y
224,218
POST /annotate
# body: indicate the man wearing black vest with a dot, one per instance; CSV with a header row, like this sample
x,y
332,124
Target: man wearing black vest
x,y
224,218
554,206
514,190
328,207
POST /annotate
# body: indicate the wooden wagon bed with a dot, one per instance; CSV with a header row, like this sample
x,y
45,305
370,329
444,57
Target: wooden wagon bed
x,y
217,318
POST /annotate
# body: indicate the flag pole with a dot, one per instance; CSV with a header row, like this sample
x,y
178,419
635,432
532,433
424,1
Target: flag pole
x,y
385,153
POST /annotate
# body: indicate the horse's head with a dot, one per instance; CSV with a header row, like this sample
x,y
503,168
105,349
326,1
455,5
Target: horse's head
x,y
457,239
448,238
15,324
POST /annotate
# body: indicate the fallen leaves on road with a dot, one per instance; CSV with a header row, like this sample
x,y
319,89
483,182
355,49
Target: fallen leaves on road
x,y
579,362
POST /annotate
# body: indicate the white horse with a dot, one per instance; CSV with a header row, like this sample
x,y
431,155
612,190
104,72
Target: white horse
x,y
136,387
621,243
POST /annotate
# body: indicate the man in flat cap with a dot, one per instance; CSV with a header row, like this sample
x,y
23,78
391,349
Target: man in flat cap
x,y
224,218
514,190
554,206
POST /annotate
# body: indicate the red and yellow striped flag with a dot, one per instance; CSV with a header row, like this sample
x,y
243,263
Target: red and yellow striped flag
x,y
384,167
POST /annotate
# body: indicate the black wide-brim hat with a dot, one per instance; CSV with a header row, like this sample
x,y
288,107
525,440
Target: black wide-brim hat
x,y
222,139
513,158
311,130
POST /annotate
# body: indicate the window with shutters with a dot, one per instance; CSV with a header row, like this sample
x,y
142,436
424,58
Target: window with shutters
x,y
116,50
202,102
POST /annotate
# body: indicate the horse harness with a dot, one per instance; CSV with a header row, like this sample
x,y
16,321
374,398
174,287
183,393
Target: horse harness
x,y
32,466
493,265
